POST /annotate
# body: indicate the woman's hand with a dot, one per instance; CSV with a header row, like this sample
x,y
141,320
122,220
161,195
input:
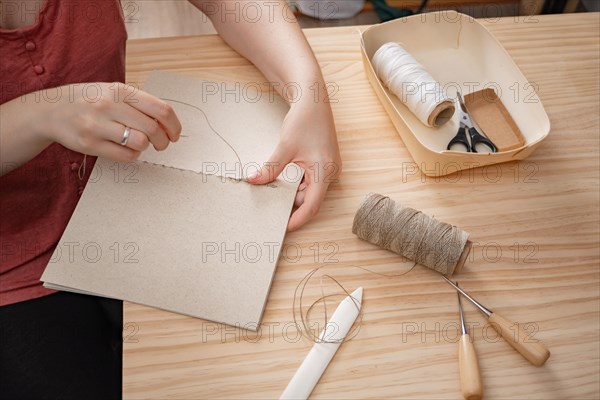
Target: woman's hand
x,y
308,139
89,118
97,127
276,45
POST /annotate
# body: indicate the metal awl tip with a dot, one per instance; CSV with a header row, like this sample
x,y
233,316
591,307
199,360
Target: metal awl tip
x,y
483,309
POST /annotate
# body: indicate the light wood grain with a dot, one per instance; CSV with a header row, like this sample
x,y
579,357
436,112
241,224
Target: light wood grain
x,y
534,224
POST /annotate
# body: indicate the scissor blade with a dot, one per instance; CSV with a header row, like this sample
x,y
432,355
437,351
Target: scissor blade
x,y
462,104
465,119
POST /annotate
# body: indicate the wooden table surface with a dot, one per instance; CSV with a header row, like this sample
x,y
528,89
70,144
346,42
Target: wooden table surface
x,y
535,225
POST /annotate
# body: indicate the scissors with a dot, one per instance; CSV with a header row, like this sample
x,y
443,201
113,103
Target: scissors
x,y
477,139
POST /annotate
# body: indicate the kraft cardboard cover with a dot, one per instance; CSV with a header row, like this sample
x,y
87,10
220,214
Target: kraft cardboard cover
x,y
492,118
178,230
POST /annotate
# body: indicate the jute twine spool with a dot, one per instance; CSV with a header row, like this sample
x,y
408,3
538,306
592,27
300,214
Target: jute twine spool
x,y
412,234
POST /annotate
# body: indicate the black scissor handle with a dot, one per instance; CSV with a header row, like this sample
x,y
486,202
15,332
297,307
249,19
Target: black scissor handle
x,y
478,138
460,139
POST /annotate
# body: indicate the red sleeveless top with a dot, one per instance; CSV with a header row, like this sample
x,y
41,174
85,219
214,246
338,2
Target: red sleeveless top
x,y
72,41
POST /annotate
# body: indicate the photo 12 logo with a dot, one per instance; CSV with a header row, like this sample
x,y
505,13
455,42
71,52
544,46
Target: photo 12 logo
x,y
94,252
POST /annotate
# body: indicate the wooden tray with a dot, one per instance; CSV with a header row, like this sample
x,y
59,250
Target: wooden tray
x,y
461,54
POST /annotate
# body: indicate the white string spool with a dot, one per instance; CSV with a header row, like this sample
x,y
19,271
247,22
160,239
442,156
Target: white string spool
x,y
413,85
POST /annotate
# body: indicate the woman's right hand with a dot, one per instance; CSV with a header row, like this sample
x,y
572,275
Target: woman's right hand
x,y
96,126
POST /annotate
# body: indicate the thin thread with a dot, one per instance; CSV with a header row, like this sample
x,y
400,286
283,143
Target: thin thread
x,y
410,233
209,125
412,84
406,231
81,170
302,318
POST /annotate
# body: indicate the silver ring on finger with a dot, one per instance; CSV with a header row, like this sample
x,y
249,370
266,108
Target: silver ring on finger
x,y
125,136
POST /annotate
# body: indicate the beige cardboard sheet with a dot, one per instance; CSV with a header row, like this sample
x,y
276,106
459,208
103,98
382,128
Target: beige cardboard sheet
x,y
159,232
229,129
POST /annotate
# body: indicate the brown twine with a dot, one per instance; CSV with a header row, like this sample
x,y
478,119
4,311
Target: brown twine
x,y
81,170
410,233
403,230
302,319
209,125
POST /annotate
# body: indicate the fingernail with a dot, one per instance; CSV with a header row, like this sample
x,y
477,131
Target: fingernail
x,y
254,176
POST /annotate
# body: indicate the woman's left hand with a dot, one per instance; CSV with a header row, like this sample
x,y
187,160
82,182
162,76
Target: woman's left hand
x,y
308,139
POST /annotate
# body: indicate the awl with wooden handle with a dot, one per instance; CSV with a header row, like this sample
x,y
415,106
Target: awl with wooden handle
x,y
470,379
535,352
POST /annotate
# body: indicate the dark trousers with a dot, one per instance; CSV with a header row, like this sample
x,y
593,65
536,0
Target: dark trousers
x,y
62,346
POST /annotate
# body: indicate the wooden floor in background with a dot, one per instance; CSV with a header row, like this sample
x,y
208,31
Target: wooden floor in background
x,y
164,18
